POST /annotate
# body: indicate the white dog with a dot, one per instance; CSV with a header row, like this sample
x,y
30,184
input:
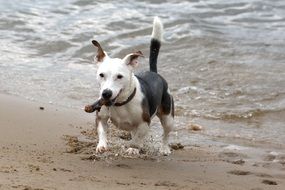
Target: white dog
x,y
130,101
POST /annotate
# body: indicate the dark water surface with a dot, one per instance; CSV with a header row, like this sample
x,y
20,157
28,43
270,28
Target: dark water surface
x,y
224,59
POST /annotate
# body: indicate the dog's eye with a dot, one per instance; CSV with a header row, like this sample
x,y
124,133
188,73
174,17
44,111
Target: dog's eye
x,y
101,75
119,76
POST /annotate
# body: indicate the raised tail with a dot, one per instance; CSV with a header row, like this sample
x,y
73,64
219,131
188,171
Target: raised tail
x,y
155,43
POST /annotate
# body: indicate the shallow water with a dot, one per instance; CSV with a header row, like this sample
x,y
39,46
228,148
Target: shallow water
x,y
224,60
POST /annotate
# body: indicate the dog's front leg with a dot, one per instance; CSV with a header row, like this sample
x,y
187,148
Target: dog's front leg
x,y
138,137
102,133
102,125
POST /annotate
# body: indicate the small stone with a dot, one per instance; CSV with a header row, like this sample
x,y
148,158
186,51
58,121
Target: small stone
x,y
269,182
239,162
176,146
195,127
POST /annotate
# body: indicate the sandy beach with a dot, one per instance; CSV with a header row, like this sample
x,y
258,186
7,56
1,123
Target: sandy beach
x,y
36,156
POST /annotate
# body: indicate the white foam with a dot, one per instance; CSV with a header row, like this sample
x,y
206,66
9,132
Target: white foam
x,y
235,147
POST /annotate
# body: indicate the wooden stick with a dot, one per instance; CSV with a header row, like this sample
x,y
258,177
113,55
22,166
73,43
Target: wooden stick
x,y
95,106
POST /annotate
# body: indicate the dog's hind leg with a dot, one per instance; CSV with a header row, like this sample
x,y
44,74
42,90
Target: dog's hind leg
x,y
167,123
166,116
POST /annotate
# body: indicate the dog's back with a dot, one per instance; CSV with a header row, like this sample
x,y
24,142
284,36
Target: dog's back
x,y
155,88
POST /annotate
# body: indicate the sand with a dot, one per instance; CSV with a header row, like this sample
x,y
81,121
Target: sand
x,y
37,154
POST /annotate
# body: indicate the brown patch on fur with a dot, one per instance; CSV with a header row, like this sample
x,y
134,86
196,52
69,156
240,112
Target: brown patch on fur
x,y
167,107
100,53
145,112
146,117
160,112
165,111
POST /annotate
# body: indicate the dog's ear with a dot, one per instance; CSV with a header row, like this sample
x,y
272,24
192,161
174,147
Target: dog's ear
x,y
132,58
100,53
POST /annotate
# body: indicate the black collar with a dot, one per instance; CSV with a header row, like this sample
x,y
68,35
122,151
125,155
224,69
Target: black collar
x,y
127,100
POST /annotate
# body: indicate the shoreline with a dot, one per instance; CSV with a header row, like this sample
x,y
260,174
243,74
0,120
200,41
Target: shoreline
x,y
33,156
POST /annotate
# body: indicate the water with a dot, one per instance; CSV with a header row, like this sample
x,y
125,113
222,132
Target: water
x,y
224,60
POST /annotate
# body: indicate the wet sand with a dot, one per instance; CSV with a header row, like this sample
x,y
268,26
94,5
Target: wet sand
x,y
34,156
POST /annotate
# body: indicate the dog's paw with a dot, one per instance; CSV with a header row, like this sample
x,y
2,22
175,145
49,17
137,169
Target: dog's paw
x,y
133,151
101,147
165,150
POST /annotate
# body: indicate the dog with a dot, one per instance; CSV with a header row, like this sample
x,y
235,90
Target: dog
x,y
130,101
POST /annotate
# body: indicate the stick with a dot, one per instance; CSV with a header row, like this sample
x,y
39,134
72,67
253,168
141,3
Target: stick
x,y
95,106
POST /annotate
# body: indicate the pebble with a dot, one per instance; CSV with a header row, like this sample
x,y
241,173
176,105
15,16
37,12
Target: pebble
x,y
195,127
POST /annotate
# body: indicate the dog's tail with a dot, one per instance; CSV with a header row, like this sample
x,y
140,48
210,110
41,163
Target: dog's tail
x,y
155,43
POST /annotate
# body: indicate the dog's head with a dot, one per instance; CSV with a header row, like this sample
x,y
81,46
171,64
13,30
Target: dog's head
x,y
114,74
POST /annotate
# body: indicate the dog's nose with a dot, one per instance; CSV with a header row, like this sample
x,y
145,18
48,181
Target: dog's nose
x,y
107,94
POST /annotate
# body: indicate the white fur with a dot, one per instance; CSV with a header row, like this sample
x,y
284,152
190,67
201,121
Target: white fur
x,y
120,115
167,122
102,144
111,68
157,29
127,117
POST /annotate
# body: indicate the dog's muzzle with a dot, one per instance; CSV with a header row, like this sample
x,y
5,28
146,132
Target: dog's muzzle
x,y
107,94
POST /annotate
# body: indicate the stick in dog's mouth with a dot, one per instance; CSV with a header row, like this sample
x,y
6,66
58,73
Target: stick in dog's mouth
x,y
99,103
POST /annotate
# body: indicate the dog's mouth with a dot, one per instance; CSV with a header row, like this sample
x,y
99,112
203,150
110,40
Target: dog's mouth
x,y
113,101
